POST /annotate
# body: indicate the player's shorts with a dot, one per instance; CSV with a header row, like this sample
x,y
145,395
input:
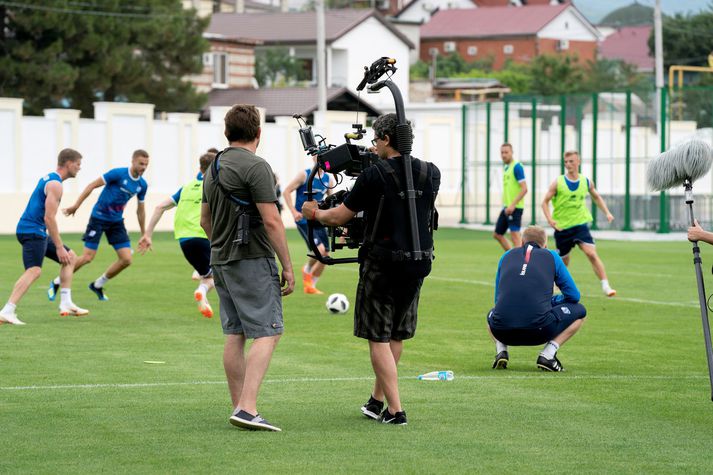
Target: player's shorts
x,y
320,234
250,300
568,238
513,222
386,303
35,248
115,233
197,253
557,320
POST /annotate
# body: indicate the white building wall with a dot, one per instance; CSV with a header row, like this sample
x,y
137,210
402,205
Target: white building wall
x,y
568,26
421,10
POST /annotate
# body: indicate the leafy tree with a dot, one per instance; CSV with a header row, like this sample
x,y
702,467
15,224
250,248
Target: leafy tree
x,y
631,15
555,74
64,53
274,66
687,40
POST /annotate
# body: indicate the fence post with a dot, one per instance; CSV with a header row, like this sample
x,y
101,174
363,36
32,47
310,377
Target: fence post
x,y
563,120
506,115
534,160
487,163
627,183
464,162
595,120
663,205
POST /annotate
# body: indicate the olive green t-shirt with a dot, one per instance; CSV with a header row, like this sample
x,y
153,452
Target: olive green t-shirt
x,y
249,178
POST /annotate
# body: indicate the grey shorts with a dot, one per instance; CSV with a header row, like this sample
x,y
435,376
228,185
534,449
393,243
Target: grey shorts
x,y
250,300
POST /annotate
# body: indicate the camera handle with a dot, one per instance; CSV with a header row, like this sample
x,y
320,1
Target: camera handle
x,y
327,260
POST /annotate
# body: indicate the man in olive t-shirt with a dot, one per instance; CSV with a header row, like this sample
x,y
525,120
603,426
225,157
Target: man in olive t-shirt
x,y
246,275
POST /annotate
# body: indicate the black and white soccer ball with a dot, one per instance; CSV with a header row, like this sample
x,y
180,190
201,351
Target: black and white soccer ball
x,y
337,303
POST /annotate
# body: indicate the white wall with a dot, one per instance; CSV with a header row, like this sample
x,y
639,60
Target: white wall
x,y
568,26
421,10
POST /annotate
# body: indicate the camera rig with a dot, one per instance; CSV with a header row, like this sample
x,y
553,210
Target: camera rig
x,y
351,159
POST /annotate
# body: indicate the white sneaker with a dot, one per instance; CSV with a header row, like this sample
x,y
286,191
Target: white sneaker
x,y
203,305
74,310
10,318
608,291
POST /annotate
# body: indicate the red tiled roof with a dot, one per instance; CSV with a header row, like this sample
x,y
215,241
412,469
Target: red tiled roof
x,y
294,27
629,44
490,21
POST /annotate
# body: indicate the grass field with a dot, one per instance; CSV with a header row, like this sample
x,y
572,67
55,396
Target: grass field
x,y
77,397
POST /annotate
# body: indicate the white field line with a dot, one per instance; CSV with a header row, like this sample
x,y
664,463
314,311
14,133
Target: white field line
x,y
690,304
610,377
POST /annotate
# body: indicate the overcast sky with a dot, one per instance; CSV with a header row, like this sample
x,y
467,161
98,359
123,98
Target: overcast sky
x,y
595,10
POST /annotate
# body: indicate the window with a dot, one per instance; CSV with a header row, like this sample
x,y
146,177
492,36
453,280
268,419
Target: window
x,y
508,49
306,70
220,69
433,52
562,45
449,46
207,59
472,50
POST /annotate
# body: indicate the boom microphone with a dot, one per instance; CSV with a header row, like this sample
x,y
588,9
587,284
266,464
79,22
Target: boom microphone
x,y
688,161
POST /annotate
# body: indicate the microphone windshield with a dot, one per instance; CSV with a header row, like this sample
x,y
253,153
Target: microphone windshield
x,y
687,161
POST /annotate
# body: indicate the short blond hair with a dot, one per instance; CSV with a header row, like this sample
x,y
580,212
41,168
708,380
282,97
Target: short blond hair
x,y
535,234
569,153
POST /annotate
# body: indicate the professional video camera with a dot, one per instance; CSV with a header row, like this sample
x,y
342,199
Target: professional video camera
x,y
351,159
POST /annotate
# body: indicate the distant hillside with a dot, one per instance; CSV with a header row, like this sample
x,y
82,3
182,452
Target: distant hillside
x,y
632,15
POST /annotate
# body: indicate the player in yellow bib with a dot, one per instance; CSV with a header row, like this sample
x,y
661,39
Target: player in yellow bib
x,y
187,230
514,191
571,217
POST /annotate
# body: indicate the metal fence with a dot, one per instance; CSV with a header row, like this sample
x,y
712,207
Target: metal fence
x,y
616,133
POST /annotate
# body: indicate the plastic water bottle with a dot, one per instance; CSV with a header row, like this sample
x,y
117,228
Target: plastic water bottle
x,y
437,376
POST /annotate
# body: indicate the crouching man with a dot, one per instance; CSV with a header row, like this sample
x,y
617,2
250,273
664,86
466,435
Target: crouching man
x,y
526,312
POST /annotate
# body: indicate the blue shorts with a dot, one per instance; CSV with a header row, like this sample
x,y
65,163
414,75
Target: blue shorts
x,y
513,222
320,235
197,253
35,248
115,233
556,321
568,238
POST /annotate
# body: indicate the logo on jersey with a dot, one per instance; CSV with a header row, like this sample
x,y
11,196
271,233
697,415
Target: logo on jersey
x,y
124,182
527,260
565,310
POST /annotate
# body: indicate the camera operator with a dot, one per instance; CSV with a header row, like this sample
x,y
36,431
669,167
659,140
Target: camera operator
x,y
241,220
389,280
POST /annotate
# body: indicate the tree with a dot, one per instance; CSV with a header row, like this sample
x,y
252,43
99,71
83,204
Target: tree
x,y
275,65
687,40
555,74
72,54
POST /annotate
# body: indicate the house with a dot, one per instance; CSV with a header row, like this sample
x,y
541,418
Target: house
x,y
230,63
354,39
287,101
422,10
208,7
509,33
631,45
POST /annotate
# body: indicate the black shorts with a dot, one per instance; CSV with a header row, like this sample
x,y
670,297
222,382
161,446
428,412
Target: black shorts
x,y
557,320
197,253
568,238
115,233
320,235
35,248
386,303
513,222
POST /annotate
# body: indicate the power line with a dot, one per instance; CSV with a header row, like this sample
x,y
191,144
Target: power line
x,y
69,11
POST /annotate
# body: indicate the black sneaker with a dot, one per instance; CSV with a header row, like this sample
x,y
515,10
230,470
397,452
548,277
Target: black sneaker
x,y
399,418
98,291
245,420
549,365
372,409
501,360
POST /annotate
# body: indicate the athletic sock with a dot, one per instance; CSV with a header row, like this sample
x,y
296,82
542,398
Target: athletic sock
x,y
99,283
314,280
307,268
203,289
605,284
500,347
9,308
56,281
550,350
65,297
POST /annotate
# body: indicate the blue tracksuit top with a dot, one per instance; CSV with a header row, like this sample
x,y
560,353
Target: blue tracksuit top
x,y
523,287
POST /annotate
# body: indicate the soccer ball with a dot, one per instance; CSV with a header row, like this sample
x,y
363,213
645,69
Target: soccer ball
x,y
337,303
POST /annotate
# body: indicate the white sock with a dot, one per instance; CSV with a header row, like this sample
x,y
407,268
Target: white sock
x,y
203,289
605,284
9,308
314,280
99,283
307,268
500,347
550,350
65,297
56,281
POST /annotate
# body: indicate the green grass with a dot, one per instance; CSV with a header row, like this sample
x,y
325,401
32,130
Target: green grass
x,y
76,395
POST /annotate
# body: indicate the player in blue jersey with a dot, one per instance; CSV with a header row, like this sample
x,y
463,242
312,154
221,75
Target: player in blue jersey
x,y
322,185
120,185
526,313
38,233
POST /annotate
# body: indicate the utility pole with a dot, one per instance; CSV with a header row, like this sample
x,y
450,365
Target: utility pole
x,y
658,52
321,53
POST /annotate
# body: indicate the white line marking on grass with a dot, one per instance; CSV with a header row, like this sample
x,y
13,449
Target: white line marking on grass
x,y
538,376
